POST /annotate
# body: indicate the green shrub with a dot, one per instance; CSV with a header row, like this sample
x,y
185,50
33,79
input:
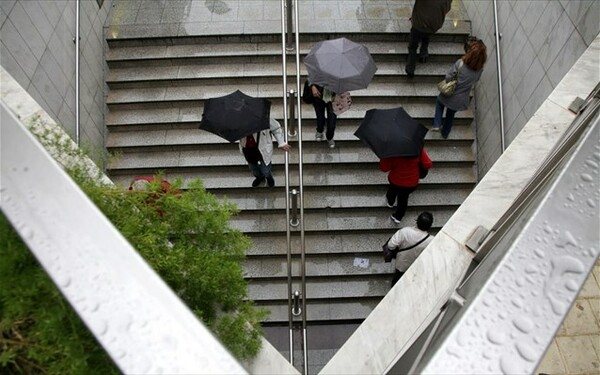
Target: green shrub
x,y
186,238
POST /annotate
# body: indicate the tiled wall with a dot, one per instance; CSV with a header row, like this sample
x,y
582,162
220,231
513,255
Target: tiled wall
x,y
541,39
38,50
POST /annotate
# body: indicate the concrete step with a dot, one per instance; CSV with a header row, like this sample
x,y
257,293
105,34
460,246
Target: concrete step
x,y
330,197
396,28
189,114
318,310
357,242
236,177
186,137
324,288
313,153
255,72
199,92
337,220
332,265
196,50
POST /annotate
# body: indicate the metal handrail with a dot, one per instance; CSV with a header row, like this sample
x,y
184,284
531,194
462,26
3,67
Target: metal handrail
x,y
287,182
301,187
499,75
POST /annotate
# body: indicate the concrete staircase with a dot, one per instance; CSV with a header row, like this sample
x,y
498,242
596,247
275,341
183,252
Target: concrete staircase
x,y
157,88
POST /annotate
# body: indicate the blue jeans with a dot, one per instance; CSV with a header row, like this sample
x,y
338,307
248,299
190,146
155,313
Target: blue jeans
x,y
444,126
320,108
261,170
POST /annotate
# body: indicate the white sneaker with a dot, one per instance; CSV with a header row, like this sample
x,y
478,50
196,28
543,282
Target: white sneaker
x,y
435,128
331,143
319,136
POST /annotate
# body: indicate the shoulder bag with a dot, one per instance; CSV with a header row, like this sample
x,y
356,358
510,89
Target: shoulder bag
x,y
307,96
389,254
447,88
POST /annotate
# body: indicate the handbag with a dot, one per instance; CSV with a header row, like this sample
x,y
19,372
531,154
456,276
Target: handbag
x,y
447,88
389,254
341,103
252,154
307,96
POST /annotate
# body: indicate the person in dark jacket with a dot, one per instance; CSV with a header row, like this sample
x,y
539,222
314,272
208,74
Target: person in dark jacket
x,y
469,69
403,178
427,18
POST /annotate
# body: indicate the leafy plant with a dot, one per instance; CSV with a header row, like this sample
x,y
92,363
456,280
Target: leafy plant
x,y
183,234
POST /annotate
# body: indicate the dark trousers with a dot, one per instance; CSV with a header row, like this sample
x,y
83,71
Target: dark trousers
x,y
320,108
399,193
416,36
444,125
397,277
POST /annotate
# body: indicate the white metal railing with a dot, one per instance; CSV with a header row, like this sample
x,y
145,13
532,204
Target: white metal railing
x,y
140,322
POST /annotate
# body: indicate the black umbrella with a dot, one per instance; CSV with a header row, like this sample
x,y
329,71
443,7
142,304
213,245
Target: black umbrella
x,y
391,132
340,65
235,116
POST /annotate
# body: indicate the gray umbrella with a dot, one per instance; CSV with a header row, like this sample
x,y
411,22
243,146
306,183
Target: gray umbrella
x,y
340,65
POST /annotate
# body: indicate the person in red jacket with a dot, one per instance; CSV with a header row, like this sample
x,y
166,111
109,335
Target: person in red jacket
x,y
403,176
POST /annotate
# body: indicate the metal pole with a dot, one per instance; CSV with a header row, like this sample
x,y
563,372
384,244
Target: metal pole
x,y
294,220
499,75
301,183
77,89
297,310
287,182
292,113
288,6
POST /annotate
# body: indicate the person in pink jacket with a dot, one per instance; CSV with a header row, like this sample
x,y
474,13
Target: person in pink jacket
x,y
403,176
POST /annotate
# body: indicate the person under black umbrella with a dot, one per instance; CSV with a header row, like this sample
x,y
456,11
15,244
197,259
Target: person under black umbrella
x,y
403,178
257,149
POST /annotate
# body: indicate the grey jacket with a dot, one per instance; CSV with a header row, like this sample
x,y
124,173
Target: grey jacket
x,y
428,15
462,95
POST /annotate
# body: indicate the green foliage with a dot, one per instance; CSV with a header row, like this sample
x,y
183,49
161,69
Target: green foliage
x,y
183,234
40,333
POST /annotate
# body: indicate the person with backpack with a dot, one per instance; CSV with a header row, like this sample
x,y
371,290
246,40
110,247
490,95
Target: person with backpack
x,y
409,242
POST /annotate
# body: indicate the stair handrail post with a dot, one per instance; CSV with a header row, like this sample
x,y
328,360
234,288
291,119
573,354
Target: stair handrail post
x,y
297,310
290,25
287,179
292,113
294,211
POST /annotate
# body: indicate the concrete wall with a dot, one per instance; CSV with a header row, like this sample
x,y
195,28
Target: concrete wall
x,y
541,40
37,48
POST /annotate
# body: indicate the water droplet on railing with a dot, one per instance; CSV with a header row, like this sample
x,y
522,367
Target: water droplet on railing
x,y
523,324
571,285
586,177
526,351
496,336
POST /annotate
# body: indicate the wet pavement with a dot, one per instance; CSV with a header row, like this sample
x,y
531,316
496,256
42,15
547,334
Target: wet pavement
x,y
155,18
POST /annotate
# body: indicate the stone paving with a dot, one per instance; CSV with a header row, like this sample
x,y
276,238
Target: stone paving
x,y
576,347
